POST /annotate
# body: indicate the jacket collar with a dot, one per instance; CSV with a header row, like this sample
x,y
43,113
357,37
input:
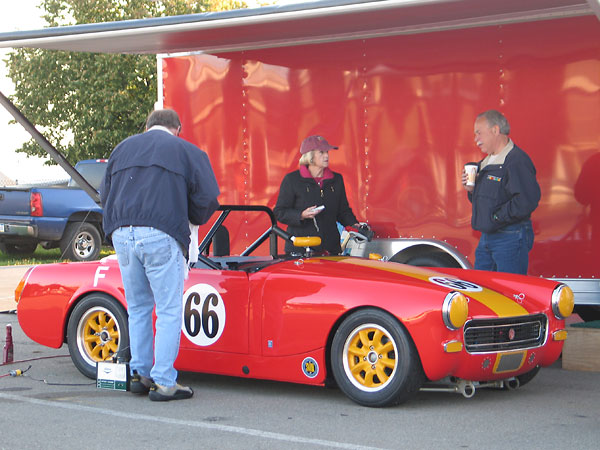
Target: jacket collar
x,y
305,173
159,127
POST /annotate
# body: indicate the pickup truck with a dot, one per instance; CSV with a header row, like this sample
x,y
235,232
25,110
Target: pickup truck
x,y
62,216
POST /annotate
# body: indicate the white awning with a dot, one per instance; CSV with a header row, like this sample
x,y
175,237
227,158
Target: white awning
x,y
275,26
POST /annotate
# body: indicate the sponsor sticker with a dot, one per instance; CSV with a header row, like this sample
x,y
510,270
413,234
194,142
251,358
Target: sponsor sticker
x,y
310,367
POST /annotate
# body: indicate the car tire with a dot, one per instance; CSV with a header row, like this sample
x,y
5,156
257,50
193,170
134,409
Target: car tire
x,y
24,249
97,331
527,377
81,242
394,373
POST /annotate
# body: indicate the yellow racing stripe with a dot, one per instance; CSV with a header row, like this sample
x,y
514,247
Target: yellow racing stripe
x,y
501,305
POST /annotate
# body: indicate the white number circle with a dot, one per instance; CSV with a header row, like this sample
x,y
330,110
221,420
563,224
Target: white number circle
x,y
455,283
203,315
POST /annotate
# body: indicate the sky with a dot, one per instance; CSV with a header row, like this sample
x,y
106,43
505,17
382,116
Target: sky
x,y
24,15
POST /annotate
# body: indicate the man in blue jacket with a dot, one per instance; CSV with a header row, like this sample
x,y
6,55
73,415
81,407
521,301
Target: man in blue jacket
x,y
155,185
505,194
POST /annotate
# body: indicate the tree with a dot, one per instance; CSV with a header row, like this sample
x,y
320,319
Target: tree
x,y
86,103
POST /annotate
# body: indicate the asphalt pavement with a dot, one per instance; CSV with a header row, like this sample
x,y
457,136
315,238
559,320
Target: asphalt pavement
x,y
9,279
51,405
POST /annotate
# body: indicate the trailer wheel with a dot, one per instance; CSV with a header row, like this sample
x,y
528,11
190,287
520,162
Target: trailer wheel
x,y
431,260
24,249
588,313
81,242
97,330
374,360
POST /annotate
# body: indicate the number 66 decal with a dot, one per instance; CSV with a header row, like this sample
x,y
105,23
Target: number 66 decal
x,y
203,315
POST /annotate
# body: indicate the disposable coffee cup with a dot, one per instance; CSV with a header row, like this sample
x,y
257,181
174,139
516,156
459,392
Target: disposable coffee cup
x,y
471,171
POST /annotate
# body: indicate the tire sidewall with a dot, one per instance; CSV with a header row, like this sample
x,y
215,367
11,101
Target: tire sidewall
x,y
82,308
406,380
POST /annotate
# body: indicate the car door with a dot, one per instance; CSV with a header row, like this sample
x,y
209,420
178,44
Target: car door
x,y
215,311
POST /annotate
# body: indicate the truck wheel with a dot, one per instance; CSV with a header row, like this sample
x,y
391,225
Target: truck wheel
x,y
81,242
24,249
374,360
97,330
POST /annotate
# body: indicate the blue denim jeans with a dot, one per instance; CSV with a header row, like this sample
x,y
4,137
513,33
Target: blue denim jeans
x,y
506,250
152,269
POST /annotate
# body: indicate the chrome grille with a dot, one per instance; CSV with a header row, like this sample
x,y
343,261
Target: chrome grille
x,y
508,333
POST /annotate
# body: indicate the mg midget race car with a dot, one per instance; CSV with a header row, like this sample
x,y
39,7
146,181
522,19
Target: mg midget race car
x,y
380,330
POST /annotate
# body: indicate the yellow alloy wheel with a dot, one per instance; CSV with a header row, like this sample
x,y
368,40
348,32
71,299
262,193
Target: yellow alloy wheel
x,y
97,331
370,357
374,360
98,334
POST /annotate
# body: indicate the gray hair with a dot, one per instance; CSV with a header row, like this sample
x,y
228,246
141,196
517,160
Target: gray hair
x,y
167,118
494,118
307,158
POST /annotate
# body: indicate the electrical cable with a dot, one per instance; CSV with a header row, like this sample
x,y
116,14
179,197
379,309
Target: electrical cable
x,y
22,373
33,359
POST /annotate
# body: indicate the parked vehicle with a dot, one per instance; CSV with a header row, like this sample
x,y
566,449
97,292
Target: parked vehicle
x,y
380,330
396,85
62,216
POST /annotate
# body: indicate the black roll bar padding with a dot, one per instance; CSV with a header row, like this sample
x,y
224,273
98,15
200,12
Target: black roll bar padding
x,y
282,234
205,244
49,148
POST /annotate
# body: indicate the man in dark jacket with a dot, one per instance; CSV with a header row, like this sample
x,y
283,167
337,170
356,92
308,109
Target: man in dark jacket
x,y
155,185
314,185
505,194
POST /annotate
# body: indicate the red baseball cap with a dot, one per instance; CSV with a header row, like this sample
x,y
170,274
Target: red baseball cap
x,y
315,143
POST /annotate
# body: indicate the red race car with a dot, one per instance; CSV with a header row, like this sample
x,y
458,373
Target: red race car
x,y
380,330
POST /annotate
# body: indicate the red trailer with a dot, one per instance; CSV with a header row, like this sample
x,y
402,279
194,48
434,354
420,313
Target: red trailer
x,y
396,84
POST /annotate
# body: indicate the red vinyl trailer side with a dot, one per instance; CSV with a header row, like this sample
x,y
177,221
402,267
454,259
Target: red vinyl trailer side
x,y
401,108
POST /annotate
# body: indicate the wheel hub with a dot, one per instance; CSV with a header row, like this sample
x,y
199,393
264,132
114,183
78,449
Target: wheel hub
x,y
82,243
372,357
104,336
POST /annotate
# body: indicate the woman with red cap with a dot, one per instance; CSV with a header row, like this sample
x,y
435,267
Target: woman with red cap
x,y
305,191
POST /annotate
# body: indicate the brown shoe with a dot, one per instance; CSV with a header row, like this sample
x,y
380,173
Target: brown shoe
x,y
139,384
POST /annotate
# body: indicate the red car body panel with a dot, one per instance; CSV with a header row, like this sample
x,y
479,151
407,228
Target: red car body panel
x,y
277,316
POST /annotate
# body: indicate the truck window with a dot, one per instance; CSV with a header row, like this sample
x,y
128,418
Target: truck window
x,y
92,172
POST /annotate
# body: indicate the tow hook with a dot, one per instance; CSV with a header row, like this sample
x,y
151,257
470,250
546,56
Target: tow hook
x,y
468,388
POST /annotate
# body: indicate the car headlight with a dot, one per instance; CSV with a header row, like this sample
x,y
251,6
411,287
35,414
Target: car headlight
x,y
563,301
455,310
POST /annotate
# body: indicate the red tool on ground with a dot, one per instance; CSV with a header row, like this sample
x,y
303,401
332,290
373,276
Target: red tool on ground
x,y
8,346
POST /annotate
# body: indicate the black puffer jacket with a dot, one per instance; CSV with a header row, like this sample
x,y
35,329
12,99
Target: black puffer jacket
x,y
504,194
298,193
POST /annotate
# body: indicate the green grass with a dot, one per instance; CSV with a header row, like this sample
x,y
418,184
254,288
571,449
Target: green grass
x,y
41,256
